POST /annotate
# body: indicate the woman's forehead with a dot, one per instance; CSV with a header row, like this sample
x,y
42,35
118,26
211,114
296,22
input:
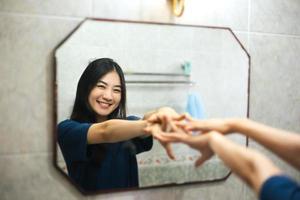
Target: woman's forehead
x,y
111,78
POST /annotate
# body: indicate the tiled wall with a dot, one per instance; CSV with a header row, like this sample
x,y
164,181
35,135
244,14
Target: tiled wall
x,y
29,32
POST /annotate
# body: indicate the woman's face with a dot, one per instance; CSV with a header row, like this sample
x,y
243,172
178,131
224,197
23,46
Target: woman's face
x,y
105,97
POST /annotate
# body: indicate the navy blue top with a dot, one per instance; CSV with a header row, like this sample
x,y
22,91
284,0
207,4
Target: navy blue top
x,y
280,188
118,166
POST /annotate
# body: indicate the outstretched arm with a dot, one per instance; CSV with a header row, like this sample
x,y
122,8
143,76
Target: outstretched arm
x,y
285,144
249,165
116,130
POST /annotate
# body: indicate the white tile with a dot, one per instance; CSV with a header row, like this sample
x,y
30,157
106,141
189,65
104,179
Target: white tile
x,y
115,9
275,80
27,63
50,7
32,177
274,94
230,13
275,16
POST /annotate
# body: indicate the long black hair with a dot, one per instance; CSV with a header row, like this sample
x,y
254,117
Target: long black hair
x,y
82,111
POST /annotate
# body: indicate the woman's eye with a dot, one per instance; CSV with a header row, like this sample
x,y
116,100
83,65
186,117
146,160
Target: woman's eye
x,y
101,86
117,90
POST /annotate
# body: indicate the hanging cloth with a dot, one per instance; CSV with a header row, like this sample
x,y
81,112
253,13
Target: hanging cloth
x,y
194,106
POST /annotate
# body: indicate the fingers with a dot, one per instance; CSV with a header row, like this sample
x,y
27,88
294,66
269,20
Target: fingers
x,y
188,117
167,131
179,117
183,126
171,137
169,151
165,123
206,155
160,136
189,124
172,126
148,129
159,117
197,125
200,161
153,118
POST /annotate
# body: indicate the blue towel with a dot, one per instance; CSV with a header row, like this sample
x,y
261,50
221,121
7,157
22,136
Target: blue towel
x,y
194,106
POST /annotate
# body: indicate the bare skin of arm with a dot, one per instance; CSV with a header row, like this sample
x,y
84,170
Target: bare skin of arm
x,y
116,130
252,167
283,143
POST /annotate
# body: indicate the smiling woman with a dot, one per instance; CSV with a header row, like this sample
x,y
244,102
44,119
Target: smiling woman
x,y
99,143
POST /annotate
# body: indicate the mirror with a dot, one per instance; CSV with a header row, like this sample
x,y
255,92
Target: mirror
x,y
164,65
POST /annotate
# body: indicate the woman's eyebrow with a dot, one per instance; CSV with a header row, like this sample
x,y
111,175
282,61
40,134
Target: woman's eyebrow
x,y
103,82
118,86
100,81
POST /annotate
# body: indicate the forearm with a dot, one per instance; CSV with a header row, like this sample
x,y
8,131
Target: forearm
x,y
249,165
283,143
115,131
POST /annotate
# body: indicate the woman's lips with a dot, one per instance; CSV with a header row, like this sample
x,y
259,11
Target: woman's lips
x,y
104,104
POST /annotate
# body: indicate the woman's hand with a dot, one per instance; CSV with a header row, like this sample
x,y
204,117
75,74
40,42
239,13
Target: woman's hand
x,y
220,125
199,142
164,113
156,129
166,126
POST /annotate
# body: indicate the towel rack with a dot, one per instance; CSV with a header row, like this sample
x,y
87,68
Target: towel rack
x,y
185,76
162,82
156,74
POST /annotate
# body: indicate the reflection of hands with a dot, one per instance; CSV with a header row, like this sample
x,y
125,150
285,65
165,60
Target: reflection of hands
x,y
156,129
204,126
165,125
199,142
164,113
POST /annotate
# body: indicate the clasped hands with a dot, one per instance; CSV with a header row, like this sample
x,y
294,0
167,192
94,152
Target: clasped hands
x,y
168,127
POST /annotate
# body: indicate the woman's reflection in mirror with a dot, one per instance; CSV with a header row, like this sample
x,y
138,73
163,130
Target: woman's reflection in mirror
x,y
99,142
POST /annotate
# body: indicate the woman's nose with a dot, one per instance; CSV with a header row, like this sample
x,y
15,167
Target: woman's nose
x,y
107,95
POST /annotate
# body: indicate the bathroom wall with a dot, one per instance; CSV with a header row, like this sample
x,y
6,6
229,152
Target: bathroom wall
x,y
29,32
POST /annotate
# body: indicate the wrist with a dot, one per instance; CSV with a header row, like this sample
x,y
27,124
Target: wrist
x,y
233,124
143,123
238,124
213,138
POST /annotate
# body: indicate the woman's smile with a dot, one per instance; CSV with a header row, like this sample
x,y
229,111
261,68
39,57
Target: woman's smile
x,y
104,104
